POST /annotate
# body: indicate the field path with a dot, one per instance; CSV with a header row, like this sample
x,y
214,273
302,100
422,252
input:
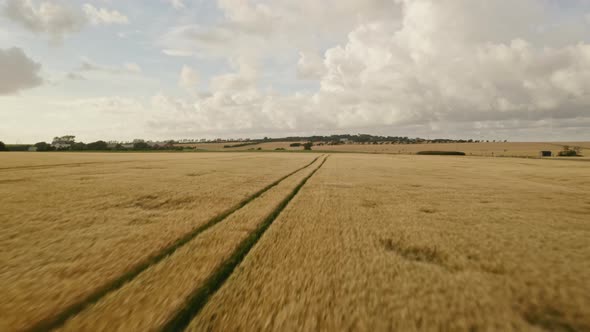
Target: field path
x,y
166,293
56,321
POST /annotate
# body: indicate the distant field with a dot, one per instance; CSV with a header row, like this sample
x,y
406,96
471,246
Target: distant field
x,y
293,241
498,149
263,146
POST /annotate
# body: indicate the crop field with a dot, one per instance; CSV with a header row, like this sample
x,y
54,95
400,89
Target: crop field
x,y
69,231
292,241
492,149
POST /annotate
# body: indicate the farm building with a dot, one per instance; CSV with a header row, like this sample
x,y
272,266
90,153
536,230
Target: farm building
x,y
546,154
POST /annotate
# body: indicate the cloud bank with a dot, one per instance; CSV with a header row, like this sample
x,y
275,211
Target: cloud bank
x,y
58,19
19,72
467,65
430,68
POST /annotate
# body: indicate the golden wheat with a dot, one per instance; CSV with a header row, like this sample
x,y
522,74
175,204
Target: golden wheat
x,y
70,228
414,243
492,149
151,299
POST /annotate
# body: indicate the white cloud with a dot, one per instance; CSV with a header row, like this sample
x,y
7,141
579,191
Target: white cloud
x,y
244,79
19,72
57,19
90,66
443,70
177,4
310,66
413,67
405,64
98,16
49,17
262,28
189,79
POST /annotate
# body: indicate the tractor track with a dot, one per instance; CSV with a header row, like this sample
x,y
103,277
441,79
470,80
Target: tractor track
x,y
201,296
70,311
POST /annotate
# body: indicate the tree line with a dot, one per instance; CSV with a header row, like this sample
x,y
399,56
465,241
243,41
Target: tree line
x,y
68,143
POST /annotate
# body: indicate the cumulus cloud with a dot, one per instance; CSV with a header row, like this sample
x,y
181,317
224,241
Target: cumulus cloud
x,y
98,16
48,17
421,64
310,66
243,79
451,69
58,19
19,72
254,28
413,67
189,79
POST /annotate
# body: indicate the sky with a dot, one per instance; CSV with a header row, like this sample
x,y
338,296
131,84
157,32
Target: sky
x,y
174,69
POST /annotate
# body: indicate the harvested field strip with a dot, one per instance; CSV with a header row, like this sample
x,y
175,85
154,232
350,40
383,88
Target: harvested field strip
x,y
168,294
72,310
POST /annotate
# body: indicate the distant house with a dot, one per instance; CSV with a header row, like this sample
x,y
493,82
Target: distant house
x,y
61,145
546,154
32,148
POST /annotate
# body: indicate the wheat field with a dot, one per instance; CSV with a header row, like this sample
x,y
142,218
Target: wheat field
x,y
292,241
491,149
68,230
408,243
151,299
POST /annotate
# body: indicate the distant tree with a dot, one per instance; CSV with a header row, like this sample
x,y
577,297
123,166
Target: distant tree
x,y
570,152
141,146
78,146
2,146
97,146
43,146
295,145
67,139
307,146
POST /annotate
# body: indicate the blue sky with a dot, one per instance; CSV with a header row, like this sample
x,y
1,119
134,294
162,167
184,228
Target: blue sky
x,y
161,69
